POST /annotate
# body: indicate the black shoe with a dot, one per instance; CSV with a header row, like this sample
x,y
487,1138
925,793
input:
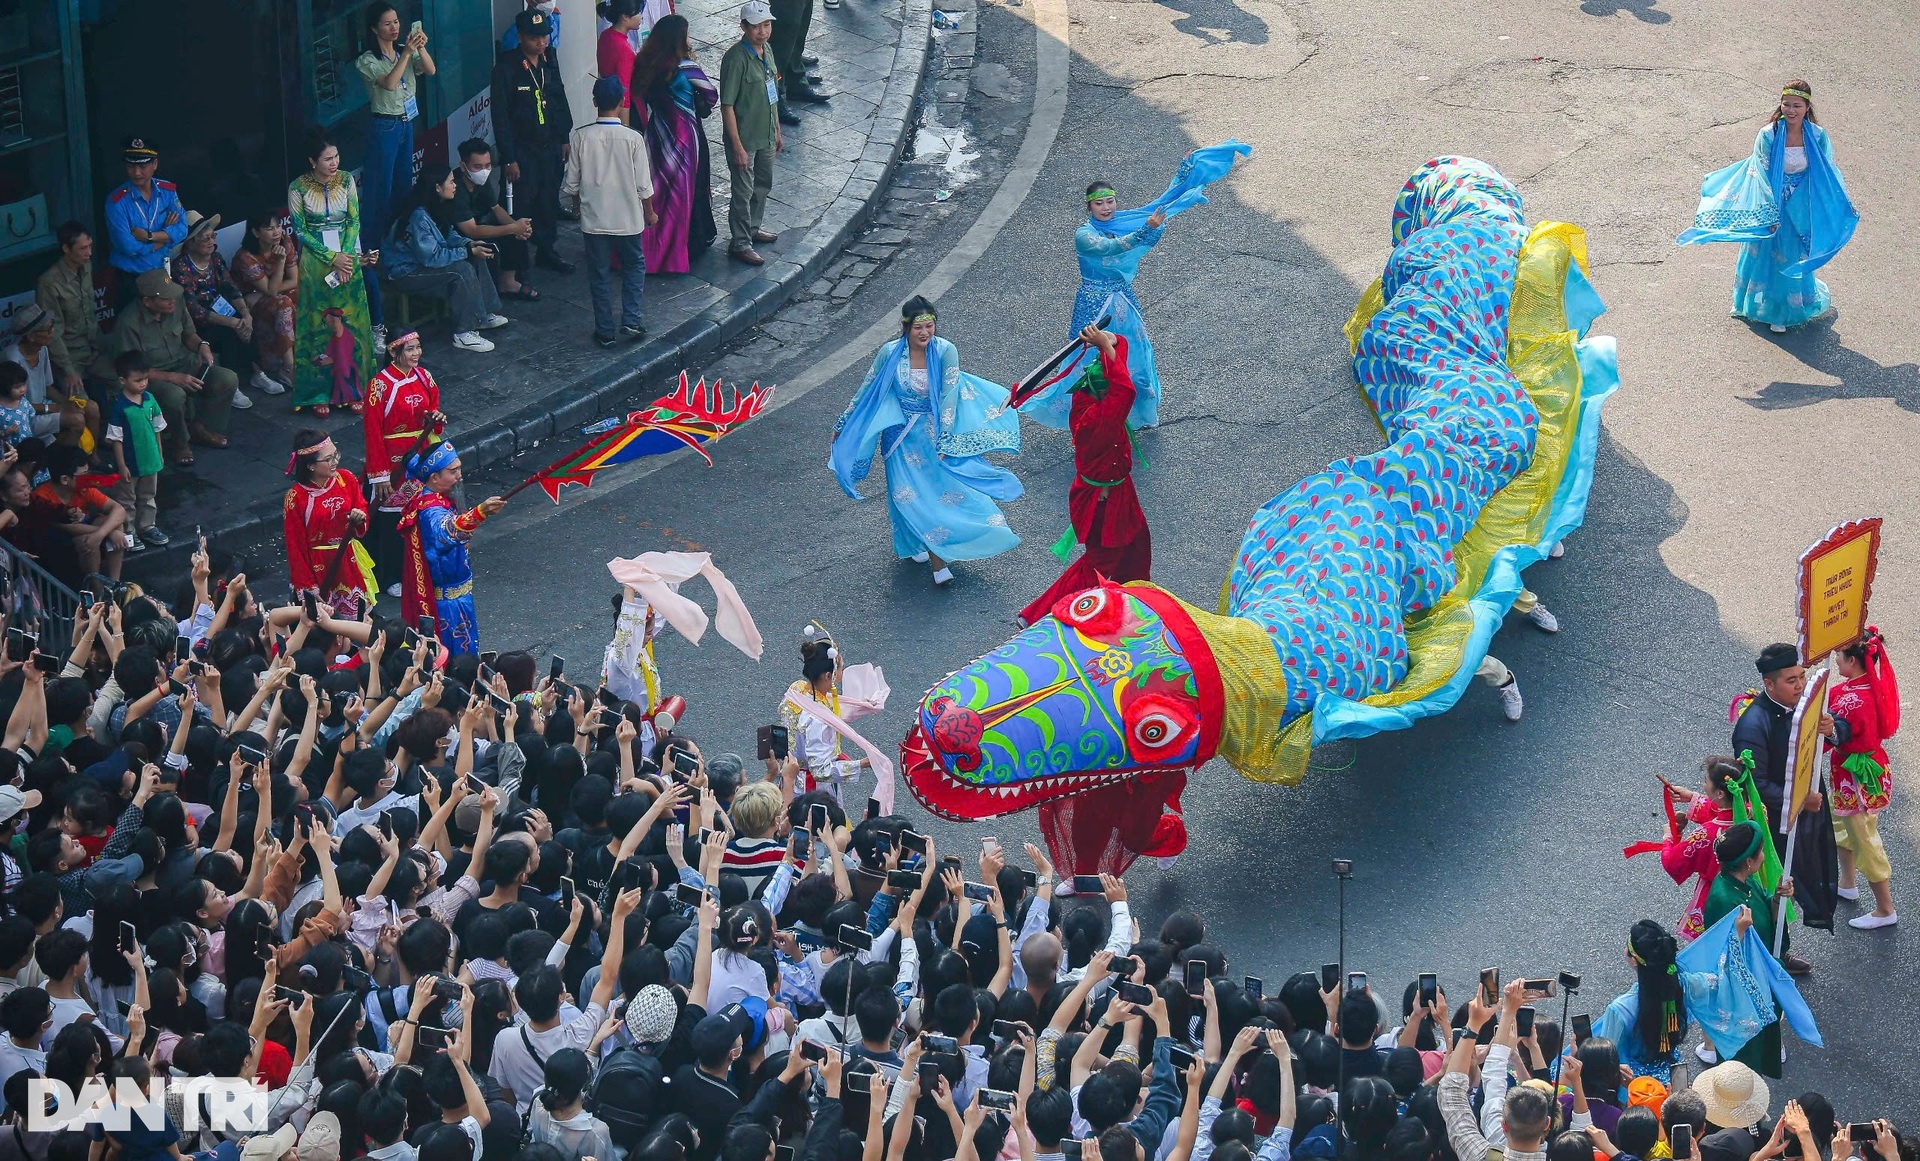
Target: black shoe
x,y
633,334
605,340
809,60
552,261
788,117
808,96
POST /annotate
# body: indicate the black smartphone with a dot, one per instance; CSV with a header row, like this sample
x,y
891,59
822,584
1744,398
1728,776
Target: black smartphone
x,y
1356,982
1862,1132
873,808
913,841
1030,880
929,1075
683,815
556,665
685,765
386,824
904,880
1196,977
356,980
949,863
176,688
1070,1150
302,813
799,844
1256,991
978,892
126,1009
1680,1138
46,663
253,755
487,657
1005,1030
763,742
635,874
946,1045
814,1052
1523,1021
86,600
430,1037
1429,989
857,1082
129,938
500,704
566,893
1181,1058
446,990
610,718
853,938
994,1098
689,895
183,648
817,817
1582,1027
1133,993
1088,885
293,996
784,1153
1124,966
311,605
1329,976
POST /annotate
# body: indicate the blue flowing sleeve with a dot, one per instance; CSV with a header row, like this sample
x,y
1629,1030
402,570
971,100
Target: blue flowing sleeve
x,y
1831,216
1738,203
444,547
874,412
974,416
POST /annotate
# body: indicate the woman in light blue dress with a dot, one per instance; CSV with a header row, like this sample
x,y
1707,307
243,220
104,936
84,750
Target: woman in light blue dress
x,y
933,425
1788,207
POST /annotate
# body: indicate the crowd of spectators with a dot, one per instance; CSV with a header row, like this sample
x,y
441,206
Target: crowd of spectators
x,y
467,910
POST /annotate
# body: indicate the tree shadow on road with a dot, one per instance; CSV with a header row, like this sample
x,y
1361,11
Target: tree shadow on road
x,y
1645,11
1860,377
1218,22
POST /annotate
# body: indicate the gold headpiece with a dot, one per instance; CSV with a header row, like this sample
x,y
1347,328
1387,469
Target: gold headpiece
x,y
1800,93
923,316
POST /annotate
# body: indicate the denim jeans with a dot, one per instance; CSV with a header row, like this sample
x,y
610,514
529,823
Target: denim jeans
x,y
385,178
601,249
466,286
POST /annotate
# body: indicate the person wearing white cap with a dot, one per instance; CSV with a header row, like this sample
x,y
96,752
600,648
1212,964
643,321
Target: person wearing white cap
x,y
279,1145
749,96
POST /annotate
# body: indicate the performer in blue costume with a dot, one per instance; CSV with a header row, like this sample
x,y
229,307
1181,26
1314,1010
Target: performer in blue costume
x,y
1788,207
1111,245
436,574
933,424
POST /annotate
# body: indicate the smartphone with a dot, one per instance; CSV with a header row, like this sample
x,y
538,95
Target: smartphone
x,y
978,892
817,817
611,718
1181,1058
1196,977
1356,982
873,808
1861,1132
386,824
685,764
86,600
1490,986
416,30
1523,1021
446,989
556,665
293,996
176,688
1124,966
1070,1150
566,893
1680,1138
129,938
853,938
183,647
1429,989
929,1076
800,844
1329,976
126,1009
635,874
904,880
940,1044
46,663
1548,987
950,863
913,841
989,844
683,814
486,663
1088,885
253,755
857,1082
1133,993
311,604
994,1098
1582,1027
1005,1030
1256,990
432,1038
500,704
356,980
814,1052
882,847
689,895
1030,880
302,813
783,1153
764,743
197,668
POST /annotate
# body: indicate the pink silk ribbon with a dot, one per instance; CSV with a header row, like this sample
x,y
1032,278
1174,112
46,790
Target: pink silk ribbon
x,y
654,576
877,760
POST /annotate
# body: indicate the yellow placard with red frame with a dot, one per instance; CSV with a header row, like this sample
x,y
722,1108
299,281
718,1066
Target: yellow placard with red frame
x,y
1836,578
1803,744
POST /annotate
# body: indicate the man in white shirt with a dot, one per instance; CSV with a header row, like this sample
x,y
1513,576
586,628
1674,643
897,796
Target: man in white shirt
x,y
24,1015
62,955
607,172
371,777
521,1049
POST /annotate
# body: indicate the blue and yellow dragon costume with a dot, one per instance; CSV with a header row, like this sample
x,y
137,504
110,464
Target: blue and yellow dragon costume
x,y
1362,598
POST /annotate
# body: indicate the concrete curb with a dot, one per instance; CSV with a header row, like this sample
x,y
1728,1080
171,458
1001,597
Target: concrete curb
x,y
597,395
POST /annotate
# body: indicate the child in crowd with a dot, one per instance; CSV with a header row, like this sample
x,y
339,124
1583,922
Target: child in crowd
x,y
134,424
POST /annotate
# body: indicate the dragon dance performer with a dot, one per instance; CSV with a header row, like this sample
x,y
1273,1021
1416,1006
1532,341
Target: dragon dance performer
x,y
324,514
402,408
1762,735
1868,701
933,425
1101,501
438,577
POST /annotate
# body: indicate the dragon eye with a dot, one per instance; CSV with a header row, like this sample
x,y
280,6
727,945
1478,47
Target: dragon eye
x,y
1159,727
1086,605
1154,730
1096,611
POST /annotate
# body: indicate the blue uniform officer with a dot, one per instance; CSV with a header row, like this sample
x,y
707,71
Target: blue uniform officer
x,y
144,219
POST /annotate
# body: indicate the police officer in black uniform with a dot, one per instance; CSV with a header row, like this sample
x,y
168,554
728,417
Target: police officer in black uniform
x,y
531,118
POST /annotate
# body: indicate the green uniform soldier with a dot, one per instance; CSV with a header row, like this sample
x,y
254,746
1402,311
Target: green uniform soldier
x,y
195,393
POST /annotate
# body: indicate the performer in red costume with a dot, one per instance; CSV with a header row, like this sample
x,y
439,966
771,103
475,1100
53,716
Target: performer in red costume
x,y
403,406
325,511
1868,700
1101,502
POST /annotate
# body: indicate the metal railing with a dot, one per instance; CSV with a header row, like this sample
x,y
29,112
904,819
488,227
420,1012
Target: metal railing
x,y
35,597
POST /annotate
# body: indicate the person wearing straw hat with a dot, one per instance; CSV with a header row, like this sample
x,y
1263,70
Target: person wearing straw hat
x,y
214,301
1736,1098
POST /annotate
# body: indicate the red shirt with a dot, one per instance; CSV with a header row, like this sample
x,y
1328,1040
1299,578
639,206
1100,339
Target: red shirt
x,y
316,528
1103,458
615,57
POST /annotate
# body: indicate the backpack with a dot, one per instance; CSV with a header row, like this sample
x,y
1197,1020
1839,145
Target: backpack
x,y
622,1094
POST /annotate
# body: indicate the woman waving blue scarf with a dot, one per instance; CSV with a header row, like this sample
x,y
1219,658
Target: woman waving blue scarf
x,y
1788,207
933,424
1110,246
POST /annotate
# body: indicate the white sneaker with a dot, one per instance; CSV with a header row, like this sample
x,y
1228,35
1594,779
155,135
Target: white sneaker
x,y
1706,1054
1777,329
1543,620
241,401
133,542
1510,702
1871,922
942,575
266,384
393,590
495,320
921,558
471,341
1559,550
380,338
1847,892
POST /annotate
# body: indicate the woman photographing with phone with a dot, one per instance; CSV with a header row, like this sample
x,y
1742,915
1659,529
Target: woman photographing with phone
x,y
816,749
391,69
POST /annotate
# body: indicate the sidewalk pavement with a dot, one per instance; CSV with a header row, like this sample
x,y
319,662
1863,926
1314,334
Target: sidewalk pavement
x,y
546,378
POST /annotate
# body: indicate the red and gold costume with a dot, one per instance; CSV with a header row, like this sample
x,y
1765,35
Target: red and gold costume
x,y
1870,705
1105,510
320,547
398,404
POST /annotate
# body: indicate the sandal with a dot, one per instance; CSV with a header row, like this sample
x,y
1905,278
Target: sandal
x,y
321,410
356,407
523,292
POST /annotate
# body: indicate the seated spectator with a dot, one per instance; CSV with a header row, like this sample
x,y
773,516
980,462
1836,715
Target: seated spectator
x,y
478,214
79,529
424,254
214,302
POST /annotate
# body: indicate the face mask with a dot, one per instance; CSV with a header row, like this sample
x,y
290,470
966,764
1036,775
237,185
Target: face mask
x,y
479,176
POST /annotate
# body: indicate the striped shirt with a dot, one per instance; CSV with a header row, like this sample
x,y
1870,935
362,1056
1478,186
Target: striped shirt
x,y
754,860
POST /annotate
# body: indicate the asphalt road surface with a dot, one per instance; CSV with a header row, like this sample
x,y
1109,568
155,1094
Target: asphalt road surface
x,y
1727,451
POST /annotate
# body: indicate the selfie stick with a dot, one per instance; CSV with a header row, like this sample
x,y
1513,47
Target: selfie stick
x,y
314,1048
1566,1033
